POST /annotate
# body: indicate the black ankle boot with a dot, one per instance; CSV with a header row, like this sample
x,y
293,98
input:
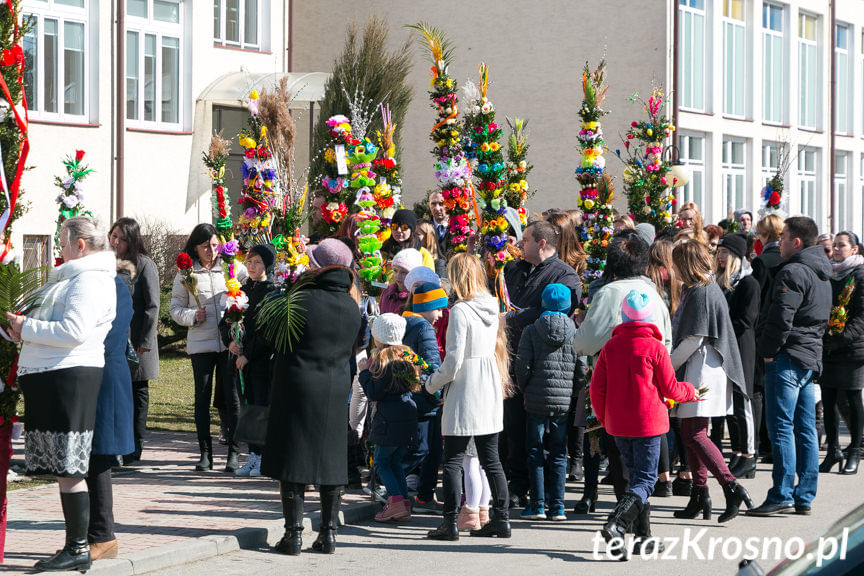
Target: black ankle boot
x,y
700,501
735,494
206,460
447,530
331,498
621,520
588,502
745,468
292,510
499,525
233,461
682,486
851,466
832,457
643,543
75,555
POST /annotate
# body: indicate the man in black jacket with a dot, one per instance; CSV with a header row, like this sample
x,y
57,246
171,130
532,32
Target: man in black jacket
x,y
526,279
790,342
440,220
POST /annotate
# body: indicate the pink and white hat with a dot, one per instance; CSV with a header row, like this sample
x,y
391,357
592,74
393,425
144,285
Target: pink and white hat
x,y
636,307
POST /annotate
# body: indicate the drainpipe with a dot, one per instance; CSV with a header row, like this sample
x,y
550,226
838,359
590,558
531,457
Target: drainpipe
x,y
289,49
120,111
832,111
675,24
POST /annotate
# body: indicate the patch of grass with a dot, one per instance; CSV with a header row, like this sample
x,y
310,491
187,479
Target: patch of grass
x,y
31,482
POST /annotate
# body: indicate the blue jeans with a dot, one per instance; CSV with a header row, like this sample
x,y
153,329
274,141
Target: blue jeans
x,y
556,443
790,413
641,457
388,466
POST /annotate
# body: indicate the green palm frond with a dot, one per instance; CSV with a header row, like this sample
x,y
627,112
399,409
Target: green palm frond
x,y
18,290
281,319
435,40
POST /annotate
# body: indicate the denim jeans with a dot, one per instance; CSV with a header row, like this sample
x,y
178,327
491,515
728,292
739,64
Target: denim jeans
x,y
388,466
790,413
429,468
556,443
641,457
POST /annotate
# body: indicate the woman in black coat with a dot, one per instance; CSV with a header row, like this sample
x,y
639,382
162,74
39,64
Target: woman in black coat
x,y
843,352
307,437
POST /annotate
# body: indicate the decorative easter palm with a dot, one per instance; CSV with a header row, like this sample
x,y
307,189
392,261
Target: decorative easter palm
x,y
280,318
517,190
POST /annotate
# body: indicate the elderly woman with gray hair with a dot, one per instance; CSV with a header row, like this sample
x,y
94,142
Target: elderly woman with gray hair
x,y
60,373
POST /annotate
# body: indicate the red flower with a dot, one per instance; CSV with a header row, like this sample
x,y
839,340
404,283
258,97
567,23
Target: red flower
x,y
184,261
79,155
774,199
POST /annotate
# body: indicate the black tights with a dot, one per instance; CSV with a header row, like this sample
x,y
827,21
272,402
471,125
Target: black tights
x,y
856,416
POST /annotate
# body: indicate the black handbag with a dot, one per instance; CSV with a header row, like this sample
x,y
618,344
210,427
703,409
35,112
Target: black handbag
x,y
132,356
252,424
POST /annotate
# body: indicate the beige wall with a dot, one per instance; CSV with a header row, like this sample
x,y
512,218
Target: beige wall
x,y
535,51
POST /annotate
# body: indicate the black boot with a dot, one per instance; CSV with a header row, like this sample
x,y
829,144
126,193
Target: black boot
x,y
832,457
735,494
499,525
682,486
76,554
851,466
620,521
331,498
292,510
644,543
745,467
447,530
206,461
700,501
588,502
575,470
233,462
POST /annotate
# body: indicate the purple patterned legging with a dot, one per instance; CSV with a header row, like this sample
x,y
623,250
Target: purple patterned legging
x,y
702,455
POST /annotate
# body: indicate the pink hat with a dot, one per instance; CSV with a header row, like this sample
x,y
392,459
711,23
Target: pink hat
x,y
636,306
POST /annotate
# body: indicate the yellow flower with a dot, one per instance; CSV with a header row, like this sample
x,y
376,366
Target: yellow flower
x,y
449,82
494,146
253,95
330,156
454,133
649,132
247,142
263,132
484,147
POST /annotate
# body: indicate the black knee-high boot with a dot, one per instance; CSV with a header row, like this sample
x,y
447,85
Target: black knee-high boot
x,y
292,510
75,555
331,499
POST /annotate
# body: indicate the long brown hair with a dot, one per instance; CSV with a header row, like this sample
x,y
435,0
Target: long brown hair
x,y
569,248
403,374
430,237
659,259
693,263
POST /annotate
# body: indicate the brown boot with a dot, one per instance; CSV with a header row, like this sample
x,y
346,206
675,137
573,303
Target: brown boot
x,y
103,550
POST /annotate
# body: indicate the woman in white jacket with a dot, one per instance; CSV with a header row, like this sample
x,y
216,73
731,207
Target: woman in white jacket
x,y
60,373
203,343
473,394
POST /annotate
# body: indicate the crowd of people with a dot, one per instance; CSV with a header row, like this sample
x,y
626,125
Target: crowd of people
x,y
755,327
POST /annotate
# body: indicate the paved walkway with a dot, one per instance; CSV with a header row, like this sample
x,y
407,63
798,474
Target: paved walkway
x,y
160,503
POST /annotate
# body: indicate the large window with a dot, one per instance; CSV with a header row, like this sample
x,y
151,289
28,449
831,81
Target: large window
x,y
238,22
734,58
770,160
154,76
734,174
807,166
842,49
808,71
841,191
56,59
692,54
691,151
774,86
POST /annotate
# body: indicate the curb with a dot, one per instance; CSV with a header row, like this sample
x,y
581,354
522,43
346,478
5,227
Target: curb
x,y
205,547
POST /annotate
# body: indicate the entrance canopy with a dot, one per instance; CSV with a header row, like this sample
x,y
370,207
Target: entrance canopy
x,y
233,88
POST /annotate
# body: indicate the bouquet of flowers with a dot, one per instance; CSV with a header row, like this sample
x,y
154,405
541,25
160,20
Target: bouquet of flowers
x,y
187,277
71,198
840,313
451,168
291,257
773,201
336,183
517,191
214,159
258,196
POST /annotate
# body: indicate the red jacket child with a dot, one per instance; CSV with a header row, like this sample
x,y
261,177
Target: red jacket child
x,y
632,376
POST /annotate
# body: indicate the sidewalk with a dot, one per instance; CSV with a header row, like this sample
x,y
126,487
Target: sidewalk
x,y
165,512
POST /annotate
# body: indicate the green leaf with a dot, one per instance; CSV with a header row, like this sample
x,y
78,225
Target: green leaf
x,y
18,290
281,319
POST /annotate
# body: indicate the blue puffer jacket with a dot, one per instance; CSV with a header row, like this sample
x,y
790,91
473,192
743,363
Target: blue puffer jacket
x,y
395,420
420,337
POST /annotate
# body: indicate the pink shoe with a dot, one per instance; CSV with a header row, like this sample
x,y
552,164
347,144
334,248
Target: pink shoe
x,y
484,515
407,516
392,511
469,519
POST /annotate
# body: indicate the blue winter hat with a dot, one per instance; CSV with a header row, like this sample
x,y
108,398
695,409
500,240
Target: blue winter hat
x,y
636,307
556,298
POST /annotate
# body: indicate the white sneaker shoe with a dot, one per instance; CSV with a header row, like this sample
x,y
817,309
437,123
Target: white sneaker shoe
x,y
246,469
255,472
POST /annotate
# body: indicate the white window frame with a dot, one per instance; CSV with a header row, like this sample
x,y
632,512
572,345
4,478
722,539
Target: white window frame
x,y
734,177
693,69
62,14
221,6
808,188
773,88
770,161
842,162
689,193
160,29
808,89
844,77
735,79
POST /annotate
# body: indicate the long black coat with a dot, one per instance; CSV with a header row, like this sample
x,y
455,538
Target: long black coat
x,y
307,432
145,319
744,303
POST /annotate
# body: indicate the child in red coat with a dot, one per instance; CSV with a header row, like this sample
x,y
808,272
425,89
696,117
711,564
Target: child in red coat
x,y
632,377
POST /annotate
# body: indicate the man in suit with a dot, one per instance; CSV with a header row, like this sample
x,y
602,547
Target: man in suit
x,y
440,219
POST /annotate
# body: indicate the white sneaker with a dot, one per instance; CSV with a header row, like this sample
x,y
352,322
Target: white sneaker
x,y
246,469
256,470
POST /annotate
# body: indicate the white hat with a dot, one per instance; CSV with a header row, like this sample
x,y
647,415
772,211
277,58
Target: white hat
x,y
420,274
388,329
407,259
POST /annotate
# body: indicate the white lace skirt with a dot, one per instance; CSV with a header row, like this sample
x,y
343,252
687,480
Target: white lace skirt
x,y
59,417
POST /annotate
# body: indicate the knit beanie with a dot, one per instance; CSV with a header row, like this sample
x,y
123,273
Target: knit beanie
x,y
407,259
736,243
428,296
330,252
388,329
405,216
646,231
636,306
512,217
556,298
421,274
266,252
